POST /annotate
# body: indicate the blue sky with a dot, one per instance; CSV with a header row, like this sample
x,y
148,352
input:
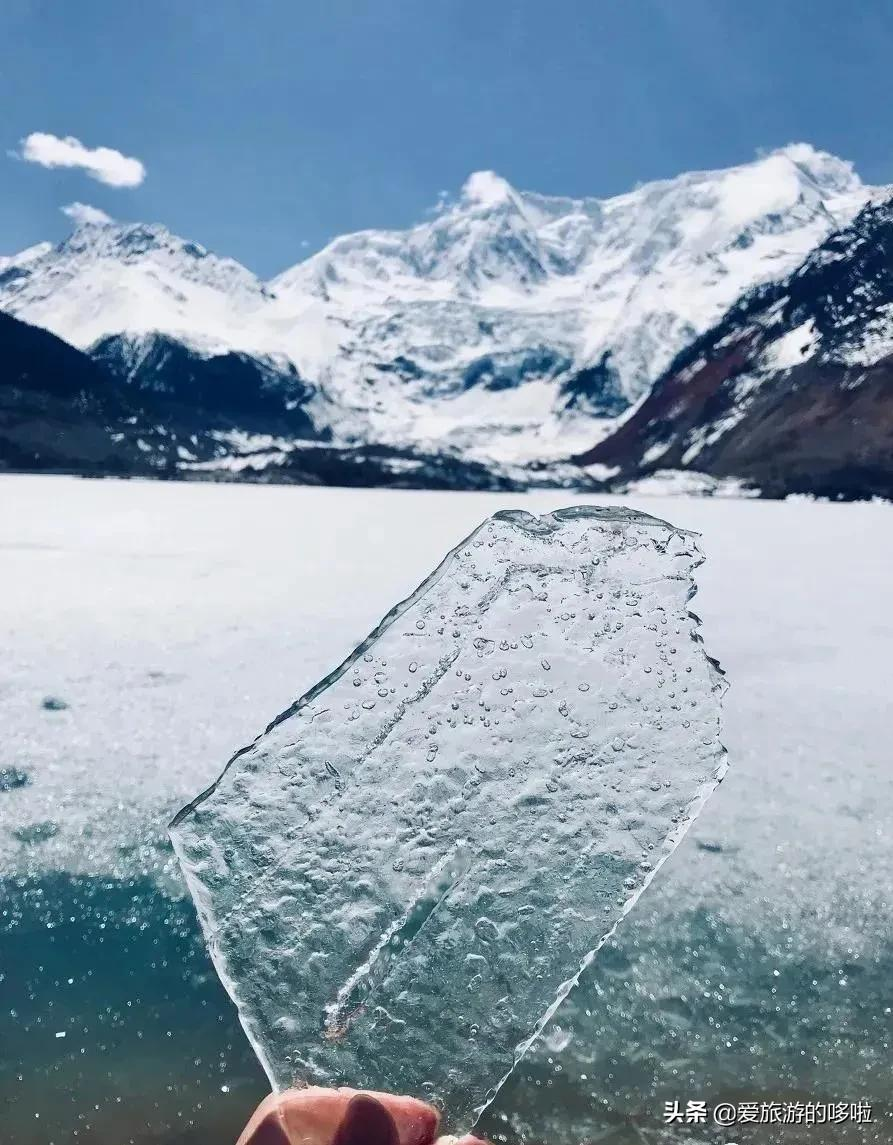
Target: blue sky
x,y
268,127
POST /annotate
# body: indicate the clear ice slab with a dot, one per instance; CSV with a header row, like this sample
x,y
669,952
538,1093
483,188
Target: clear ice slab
x,y
401,879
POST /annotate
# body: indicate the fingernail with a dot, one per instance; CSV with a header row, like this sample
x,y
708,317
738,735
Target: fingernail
x,y
270,1131
366,1122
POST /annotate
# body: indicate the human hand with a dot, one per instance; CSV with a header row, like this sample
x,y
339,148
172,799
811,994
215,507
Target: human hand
x,y
316,1116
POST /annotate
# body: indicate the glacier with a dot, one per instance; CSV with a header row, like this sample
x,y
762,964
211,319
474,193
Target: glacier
x,y
509,326
401,879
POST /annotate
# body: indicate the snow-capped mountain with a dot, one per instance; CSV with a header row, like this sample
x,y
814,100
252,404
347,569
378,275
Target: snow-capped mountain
x,y
110,279
510,325
792,390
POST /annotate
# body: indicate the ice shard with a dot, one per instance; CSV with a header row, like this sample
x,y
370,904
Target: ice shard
x,y
401,878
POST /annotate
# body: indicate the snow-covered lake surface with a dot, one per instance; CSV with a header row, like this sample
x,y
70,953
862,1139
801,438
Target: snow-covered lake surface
x,y
175,621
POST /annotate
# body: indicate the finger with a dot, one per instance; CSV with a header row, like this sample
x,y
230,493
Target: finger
x,y
314,1116
265,1126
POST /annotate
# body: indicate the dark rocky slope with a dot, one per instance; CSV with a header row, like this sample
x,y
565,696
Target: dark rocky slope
x,y
62,411
59,410
793,390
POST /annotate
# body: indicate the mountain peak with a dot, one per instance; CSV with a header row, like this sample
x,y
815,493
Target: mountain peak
x,y
31,254
827,171
135,243
487,189
116,240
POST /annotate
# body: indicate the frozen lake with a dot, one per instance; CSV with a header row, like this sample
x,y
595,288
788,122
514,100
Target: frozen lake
x,y
174,621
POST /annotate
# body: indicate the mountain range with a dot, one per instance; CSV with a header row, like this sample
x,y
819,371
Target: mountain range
x,y
510,338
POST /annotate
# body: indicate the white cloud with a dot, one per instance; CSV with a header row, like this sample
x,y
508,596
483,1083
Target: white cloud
x,y
81,213
102,163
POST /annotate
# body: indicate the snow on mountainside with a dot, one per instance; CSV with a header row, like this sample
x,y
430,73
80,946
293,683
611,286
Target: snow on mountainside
x,y
108,279
509,325
792,390
25,256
